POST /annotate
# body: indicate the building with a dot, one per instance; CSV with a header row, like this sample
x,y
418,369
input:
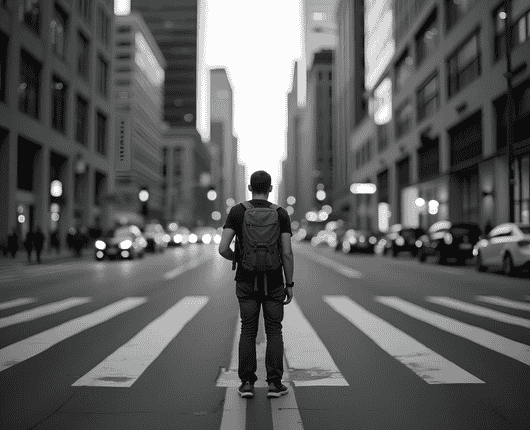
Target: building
x,y
242,189
56,115
222,141
139,89
174,28
447,153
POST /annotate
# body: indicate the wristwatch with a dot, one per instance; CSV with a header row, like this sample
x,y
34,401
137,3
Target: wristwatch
x,y
289,285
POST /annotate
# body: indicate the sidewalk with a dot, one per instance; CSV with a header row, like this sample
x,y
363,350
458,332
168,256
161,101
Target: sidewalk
x,y
47,257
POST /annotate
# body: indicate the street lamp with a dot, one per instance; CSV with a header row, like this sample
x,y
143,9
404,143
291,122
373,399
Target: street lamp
x,y
143,196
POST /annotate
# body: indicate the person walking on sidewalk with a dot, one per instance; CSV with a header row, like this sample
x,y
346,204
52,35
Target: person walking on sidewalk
x,y
28,244
12,243
263,254
38,243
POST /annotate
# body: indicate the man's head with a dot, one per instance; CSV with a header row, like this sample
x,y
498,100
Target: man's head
x,y
260,184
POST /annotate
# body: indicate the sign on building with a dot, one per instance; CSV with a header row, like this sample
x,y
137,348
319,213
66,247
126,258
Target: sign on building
x,y
123,147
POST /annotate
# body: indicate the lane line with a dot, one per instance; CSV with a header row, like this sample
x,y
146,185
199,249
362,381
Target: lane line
x,y
309,362
172,274
424,362
501,301
509,348
285,411
34,345
17,302
123,367
42,311
332,264
479,310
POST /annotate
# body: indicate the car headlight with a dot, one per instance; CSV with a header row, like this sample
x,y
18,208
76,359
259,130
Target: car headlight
x,y
100,245
166,238
193,238
206,238
400,241
448,238
353,240
126,244
418,243
177,238
372,240
217,239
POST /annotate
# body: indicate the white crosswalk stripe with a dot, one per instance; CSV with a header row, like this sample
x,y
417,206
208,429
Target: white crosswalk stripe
x,y
17,302
514,304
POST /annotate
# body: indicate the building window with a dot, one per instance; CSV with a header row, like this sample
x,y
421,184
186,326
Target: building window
x,y
100,185
463,67
522,189
499,42
124,29
29,88
403,69
382,137
466,140
32,14
59,97
455,11
428,158
103,76
103,26
58,32
83,55
3,65
404,118
523,29
85,10
428,97
101,134
164,162
427,39
177,163
81,129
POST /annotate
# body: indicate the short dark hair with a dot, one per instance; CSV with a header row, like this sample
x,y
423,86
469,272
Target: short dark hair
x,y
260,182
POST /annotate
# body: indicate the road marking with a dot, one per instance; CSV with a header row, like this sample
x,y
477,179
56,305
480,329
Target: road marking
x,y
479,310
123,367
44,310
172,274
513,304
509,348
34,345
284,410
17,302
332,264
309,362
427,364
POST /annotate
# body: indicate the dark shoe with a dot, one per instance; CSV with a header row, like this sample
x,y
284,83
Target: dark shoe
x,y
246,390
277,389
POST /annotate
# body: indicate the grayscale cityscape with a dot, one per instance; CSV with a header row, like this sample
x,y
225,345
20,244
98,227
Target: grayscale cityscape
x,y
396,134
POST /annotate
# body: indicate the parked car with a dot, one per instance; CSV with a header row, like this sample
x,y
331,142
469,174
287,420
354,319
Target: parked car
x,y
359,241
428,244
507,246
121,242
399,239
323,238
157,238
458,243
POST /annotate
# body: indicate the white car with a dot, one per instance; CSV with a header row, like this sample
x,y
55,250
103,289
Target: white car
x,y
507,246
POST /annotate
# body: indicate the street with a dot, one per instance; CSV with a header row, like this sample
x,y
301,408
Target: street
x,y
370,343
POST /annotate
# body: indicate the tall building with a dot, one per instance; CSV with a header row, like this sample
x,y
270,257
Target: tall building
x,y
139,85
242,189
447,154
221,136
56,115
174,28
317,131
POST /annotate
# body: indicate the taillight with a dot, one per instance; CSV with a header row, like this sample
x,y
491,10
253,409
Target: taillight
x,y
523,243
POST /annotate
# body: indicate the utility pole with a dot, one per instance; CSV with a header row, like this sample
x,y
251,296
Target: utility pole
x,y
509,108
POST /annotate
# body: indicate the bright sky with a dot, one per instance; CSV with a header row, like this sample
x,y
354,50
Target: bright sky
x,y
257,43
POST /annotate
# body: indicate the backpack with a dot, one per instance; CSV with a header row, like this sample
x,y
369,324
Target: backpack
x,y
259,249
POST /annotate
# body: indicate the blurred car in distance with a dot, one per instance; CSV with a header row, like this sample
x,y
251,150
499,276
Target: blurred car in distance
x,y
121,242
399,239
428,244
458,243
179,236
157,238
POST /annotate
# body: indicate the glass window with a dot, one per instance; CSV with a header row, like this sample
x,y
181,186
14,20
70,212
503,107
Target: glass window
x,y
83,55
404,118
463,67
85,10
428,98
101,134
29,87
455,10
103,76
81,133
32,14
58,32
59,97
428,39
499,42
103,26
403,69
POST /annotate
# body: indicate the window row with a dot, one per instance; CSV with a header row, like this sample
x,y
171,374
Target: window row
x,y
364,154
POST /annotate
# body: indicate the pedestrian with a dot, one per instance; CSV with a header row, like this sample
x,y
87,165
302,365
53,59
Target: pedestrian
x,y
38,242
12,243
55,241
28,244
263,255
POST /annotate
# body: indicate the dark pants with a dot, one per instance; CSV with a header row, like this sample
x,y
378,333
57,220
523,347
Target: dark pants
x,y
250,303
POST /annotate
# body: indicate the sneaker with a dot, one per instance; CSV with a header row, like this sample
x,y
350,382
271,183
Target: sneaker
x,y
246,390
277,389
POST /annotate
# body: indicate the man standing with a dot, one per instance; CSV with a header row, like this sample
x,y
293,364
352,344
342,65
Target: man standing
x,y
38,242
255,289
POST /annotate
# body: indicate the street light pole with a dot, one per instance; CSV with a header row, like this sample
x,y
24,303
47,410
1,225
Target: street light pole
x,y
509,109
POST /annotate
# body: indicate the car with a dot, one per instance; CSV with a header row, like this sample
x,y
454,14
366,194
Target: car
x,y
205,234
400,239
507,246
179,236
458,242
157,238
121,242
428,243
323,238
359,241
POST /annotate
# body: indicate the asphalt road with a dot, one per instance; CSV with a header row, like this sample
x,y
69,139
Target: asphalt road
x,y
370,343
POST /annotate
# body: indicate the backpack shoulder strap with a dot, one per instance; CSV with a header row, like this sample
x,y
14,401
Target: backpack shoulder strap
x,y
247,205
274,206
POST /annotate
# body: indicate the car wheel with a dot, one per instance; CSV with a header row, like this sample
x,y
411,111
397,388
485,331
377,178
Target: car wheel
x,y
507,265
479,265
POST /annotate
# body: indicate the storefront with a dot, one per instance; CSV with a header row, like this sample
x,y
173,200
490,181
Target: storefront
x,y
522,188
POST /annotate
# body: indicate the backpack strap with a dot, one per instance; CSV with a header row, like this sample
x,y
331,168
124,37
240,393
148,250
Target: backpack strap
x,y
247,205
274,206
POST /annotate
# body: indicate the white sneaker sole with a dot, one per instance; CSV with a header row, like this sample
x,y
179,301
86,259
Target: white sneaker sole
x,y
246,395
276,395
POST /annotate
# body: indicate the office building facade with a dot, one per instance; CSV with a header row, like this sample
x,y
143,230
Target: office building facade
x,y
56,115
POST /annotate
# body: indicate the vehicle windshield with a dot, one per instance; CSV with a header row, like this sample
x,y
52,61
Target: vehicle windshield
x,y
525,230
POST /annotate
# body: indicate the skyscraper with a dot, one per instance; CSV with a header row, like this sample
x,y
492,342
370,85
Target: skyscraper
x,y
173,24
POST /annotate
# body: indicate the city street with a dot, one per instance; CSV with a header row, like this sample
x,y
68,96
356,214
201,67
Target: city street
x,y
370,343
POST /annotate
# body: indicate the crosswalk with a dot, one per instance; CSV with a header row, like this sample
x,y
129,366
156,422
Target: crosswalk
x,y
308,361
15,273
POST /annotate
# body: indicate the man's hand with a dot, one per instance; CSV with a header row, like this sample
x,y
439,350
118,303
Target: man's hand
x,y
289,295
